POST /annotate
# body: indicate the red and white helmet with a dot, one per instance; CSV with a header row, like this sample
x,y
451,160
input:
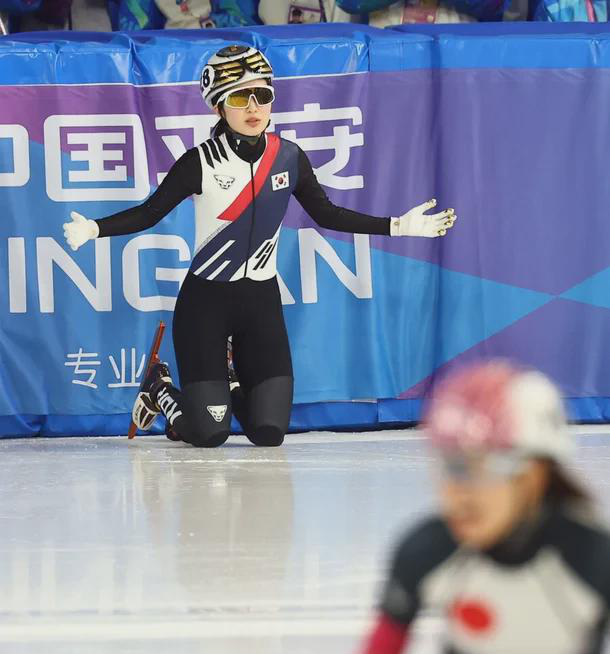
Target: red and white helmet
x,y
496,407
230,67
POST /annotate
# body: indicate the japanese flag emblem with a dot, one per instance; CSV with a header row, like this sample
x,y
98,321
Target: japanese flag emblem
x,y
279,181
217,411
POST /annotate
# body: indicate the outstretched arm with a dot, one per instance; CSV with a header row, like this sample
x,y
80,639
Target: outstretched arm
x,y
314,200
183,180
328,215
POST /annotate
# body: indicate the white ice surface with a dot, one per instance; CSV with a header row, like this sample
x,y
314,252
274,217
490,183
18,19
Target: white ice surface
x,y
109,545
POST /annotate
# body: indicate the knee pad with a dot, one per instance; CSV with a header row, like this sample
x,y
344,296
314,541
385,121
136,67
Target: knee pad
x,y
207,412
214,440
269,405
266,436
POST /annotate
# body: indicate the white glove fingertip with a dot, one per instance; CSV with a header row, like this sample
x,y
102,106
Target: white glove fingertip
x,y
420,208
77,217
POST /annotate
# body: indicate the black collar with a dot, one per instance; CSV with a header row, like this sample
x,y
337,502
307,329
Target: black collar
x,y
524,542
247,148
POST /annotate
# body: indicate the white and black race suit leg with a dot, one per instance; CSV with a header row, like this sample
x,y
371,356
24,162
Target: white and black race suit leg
x,y
206,314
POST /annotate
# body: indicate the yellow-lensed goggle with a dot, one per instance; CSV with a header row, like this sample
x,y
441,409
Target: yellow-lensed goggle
x,y
240,98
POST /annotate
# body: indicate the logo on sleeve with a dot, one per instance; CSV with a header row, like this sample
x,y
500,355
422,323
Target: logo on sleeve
x,y
224,181
279,181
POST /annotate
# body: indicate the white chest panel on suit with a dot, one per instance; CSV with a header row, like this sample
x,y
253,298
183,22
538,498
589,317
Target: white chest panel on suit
x,y
221,183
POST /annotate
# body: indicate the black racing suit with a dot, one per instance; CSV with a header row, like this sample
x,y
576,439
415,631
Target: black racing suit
x,y
241,190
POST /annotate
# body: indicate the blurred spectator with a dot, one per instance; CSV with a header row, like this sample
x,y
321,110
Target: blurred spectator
x,y
389,12
14,8
36,14
570,10
517,10
19,6
55,13
417,11
135,15
194,14
278,12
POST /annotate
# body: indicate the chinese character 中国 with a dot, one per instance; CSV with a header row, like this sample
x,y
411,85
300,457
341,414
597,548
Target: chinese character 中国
x,y
106,158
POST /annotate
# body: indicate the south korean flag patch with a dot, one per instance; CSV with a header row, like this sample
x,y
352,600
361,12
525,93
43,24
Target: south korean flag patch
x,y
279,181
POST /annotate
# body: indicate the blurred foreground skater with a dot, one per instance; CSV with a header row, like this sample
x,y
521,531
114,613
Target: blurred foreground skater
x,y
516,562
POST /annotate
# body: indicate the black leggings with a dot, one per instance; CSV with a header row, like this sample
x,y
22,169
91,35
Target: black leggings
x,y
206,314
